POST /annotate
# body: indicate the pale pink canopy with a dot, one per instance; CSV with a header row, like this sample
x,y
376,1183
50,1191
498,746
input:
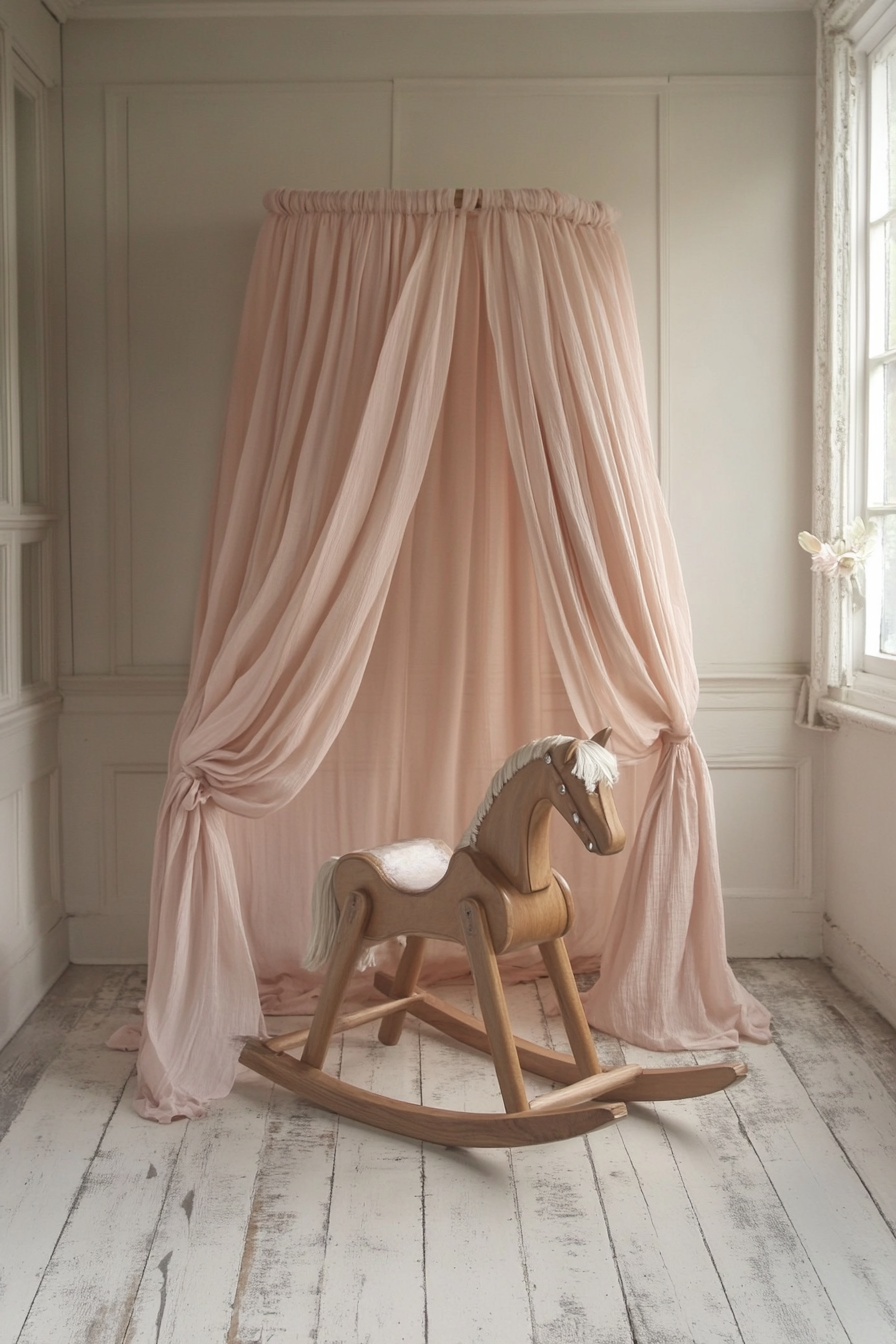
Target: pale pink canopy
x,y
437,534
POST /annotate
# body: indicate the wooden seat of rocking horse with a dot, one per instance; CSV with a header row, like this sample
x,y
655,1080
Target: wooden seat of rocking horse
x,y
494,892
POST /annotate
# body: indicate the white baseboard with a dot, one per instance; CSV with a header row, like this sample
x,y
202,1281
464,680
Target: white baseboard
x,y
23,985
859,971
771,927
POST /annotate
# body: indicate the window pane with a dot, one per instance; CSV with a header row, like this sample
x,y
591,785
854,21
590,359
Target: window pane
x,y
882,435
28,272
891,138
882,289
31,668
888,603
883,139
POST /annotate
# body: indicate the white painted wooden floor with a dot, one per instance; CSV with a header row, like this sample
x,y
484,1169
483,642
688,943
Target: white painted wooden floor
x,y
763,1215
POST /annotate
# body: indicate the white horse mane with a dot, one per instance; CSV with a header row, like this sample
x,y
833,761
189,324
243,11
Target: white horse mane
x,y
593,765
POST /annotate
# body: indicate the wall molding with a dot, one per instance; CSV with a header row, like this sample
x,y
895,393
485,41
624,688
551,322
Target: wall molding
x,y
111,773
97,693
123,695
801,768
547,85
255,9
118,376
27,714
745,690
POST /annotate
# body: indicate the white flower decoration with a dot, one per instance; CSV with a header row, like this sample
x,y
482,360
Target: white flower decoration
x,y
844,557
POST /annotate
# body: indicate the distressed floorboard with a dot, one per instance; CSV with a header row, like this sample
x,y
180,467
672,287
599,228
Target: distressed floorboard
x,y
97,1265
47,1154
575,1288
845,1072
192,1269
839,1226
113,990
278,1291
672,1285
775,1291
782,983
372,1287
761,1215
477,1276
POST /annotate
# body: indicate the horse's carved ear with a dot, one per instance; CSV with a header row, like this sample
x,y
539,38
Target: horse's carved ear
x,y
603,737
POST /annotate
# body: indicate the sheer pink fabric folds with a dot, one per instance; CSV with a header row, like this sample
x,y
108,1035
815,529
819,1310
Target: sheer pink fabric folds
x,y
437,527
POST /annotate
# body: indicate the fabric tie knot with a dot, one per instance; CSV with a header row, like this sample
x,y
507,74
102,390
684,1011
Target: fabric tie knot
x,y
197,791
671,738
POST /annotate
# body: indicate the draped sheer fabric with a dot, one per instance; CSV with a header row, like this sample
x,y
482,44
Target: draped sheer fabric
x,y
437,533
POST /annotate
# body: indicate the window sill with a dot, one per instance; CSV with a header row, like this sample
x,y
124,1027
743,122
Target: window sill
x,y
869,703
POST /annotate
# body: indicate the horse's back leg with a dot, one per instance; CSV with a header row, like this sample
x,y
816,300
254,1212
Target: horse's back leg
x,y
404,983
343,959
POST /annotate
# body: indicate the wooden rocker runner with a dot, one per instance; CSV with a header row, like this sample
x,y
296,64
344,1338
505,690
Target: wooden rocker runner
x,y
494,893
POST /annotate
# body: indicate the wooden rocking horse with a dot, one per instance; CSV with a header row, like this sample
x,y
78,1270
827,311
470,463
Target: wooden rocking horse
x,y
495,892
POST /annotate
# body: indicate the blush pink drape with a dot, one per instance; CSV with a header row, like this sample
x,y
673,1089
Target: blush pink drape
x,y
437,533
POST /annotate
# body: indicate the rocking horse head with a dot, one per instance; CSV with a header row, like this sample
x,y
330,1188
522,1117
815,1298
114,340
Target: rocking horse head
x,y
574,777
586,772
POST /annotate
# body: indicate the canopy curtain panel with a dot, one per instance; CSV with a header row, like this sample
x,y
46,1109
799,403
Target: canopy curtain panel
x,y
437,533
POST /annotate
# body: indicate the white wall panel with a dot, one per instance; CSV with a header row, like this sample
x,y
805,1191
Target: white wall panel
x,y
114,747
10,920
89,467
761,814
38,859
860,854
185,172
741,174
33,941
767,778
598,139
257,50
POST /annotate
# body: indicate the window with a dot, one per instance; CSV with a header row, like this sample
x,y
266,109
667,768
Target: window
x,y
29,241
26,523
853,668
880,364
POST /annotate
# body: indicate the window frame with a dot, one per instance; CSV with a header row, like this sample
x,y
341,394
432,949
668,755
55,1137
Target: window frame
x,y
870,52
844,681
24,521
21,77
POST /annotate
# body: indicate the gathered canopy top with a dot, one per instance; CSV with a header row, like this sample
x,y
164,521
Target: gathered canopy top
x,y
526,200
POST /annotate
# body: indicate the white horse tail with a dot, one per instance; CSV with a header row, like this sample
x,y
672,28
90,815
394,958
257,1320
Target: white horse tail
x,y
324,916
